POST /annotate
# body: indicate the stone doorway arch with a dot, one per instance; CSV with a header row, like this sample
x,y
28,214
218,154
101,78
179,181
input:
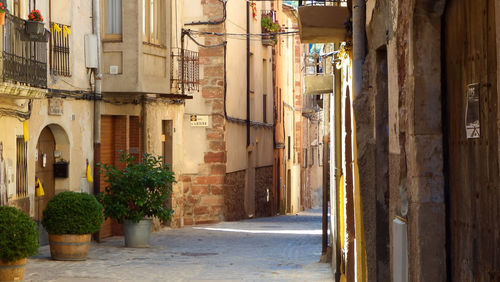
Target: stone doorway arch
x,y
52,145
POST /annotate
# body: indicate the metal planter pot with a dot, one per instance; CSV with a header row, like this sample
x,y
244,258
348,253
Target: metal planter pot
x,y
137,234
35,28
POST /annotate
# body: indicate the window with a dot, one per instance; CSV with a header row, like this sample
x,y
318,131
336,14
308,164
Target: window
x,y
113,21
289,149
22,167
264,108
153,22
59,50
304,159
17,8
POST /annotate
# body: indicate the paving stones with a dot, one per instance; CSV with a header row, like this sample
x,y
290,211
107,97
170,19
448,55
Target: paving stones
x,y
284,248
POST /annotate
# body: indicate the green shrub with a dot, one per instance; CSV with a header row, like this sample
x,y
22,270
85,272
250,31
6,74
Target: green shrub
x,y
72,213
138,191
18,235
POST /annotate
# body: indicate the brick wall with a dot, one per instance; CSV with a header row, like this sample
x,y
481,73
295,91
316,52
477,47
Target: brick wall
x,y
234,196
204,192
263,186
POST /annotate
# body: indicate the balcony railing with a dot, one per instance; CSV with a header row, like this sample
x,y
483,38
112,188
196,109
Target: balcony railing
x,y
322,21
269,24
24,60
322,2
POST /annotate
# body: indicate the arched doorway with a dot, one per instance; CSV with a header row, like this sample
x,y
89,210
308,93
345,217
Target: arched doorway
x,y
52,145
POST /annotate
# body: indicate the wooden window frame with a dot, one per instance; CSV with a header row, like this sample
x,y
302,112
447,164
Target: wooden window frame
x,y
153,28
22,167
110,37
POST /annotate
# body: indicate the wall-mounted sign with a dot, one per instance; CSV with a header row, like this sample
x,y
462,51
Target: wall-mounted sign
x,y
199,121
473,111
56,107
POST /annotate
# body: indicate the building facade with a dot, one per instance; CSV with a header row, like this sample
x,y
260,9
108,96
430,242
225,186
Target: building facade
x,y
46,101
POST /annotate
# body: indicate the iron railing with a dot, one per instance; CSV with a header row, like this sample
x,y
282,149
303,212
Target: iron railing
x,y
189,78
268,39
322,2
59,50
24,61
314,64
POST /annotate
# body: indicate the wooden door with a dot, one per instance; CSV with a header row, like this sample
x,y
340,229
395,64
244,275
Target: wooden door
x,y
107,157
45,170
471,98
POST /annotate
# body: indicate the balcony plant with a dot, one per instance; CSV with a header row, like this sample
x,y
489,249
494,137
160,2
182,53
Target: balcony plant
x,y
34,24
70,218
18,240
2,14
137,193
269,25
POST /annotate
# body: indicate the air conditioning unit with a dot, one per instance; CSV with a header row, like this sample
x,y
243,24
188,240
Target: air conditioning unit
x,y
91,54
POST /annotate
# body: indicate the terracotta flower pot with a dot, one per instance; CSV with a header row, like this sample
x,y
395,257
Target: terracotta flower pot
x,y
12,271
69,247
2,18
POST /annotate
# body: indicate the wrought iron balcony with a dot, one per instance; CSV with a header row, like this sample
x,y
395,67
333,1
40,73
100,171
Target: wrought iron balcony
x,y
185,71
24,59
318,75
323,21
268,23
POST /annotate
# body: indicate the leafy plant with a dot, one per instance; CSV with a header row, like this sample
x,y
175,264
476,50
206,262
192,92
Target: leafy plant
x,y
269,25
138,191
18,235
72,213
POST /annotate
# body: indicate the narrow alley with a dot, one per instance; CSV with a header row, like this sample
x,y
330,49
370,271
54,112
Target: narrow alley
x,y
284,248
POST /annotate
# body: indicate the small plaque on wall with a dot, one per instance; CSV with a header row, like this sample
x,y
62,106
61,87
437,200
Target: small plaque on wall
x,y
473,111
56,107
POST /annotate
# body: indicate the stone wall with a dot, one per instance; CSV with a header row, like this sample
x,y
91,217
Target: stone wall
x,y
234,196
407,165
263,188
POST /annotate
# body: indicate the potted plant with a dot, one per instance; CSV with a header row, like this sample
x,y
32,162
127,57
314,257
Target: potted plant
x,y
2,14
269,26
34,24
70,218
18,240
137,193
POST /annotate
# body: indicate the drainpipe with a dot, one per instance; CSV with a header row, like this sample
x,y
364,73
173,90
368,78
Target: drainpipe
x,y
97,96
359,44
248,74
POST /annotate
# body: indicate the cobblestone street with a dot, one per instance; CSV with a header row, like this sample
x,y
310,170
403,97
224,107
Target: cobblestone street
x,y
284,248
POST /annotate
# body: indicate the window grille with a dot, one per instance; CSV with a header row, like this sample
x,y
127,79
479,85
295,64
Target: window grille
x,y
187,78
59,50
22,167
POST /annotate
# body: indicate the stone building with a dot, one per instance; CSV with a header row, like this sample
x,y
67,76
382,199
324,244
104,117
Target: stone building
x,y
228,161
143,95
429,120
415,108
45,103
